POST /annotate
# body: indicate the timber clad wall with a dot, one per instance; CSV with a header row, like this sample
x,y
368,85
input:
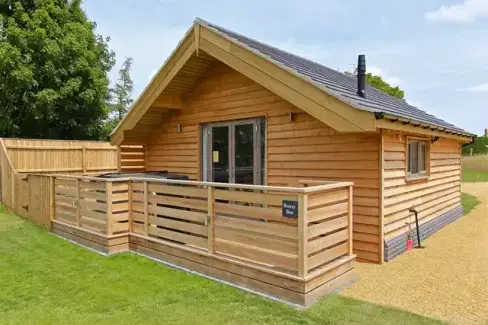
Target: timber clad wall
x,y
432,198
303,148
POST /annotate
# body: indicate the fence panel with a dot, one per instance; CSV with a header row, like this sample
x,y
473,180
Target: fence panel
x,y
132,158
329,226
59,156
175,213
250,226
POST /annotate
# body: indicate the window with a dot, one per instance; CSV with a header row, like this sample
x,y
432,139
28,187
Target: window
x,y
417,158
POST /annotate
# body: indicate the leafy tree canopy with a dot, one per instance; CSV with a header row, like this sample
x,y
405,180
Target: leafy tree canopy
x,y
479,146
378,82
53,71
121,97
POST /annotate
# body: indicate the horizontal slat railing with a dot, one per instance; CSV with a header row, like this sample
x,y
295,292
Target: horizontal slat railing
x,y
328,224
242,223
96,205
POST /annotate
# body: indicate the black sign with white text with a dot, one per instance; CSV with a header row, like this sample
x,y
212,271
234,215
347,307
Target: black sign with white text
x,y
289,208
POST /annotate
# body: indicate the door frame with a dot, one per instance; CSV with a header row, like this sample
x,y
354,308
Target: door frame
x,y
205,148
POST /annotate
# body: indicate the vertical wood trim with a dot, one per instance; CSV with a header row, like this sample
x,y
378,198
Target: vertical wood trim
x,y
78,217
350,221
83,159
109,207
129,193
200,170
382,197
146,210
302,235
210,225
119,159
52,198
145,157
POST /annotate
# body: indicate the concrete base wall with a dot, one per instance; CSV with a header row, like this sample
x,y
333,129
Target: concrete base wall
x,y
398,245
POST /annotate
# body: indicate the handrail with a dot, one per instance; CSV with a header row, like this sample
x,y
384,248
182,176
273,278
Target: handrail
x,y
304,190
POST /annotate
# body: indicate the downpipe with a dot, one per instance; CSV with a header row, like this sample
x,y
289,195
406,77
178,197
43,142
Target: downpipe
x,y
414,211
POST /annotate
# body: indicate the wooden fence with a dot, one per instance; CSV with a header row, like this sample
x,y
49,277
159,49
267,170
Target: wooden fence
x,y
25,166
59,156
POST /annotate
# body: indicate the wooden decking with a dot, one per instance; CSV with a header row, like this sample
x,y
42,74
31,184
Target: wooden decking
x,y
236,233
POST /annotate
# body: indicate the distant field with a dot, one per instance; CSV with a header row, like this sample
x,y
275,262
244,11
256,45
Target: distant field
x,y
475,168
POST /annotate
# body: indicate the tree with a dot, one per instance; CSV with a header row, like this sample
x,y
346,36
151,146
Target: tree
x,y
121,96
122,92
377,82
53,71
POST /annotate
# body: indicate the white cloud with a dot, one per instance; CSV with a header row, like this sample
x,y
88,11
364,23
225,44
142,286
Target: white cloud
x,y
482,88
466,12
392,80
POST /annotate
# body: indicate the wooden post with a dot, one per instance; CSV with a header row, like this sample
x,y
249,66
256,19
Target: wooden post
x,y
12,191
146,210
119,159
52,198
145,158
302,235
470,151
108,189
83,159
78,213
350,223
210,221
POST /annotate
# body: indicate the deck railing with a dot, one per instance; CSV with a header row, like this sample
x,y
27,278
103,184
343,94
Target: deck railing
x,y
241,223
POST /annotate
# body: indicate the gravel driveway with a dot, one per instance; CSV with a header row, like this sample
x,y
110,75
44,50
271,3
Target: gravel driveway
x,y
448,280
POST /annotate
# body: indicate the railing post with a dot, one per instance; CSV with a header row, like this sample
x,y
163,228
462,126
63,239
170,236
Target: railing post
x,y
52,198
302,235
210,220
146,210
78,218
350,220
108,192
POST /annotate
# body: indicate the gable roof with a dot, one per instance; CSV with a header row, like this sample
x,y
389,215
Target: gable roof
x,y
339,84
327,94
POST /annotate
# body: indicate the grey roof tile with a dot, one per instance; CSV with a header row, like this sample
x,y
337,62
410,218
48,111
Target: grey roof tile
x,y
339,84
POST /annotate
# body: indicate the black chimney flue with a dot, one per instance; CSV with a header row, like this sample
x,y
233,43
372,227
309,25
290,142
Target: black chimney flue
x,y
362,75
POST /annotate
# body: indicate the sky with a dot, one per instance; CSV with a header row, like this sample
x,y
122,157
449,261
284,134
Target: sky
x,y
436,51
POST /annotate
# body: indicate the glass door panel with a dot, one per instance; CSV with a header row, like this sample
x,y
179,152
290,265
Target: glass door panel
x,y
234,152
243,154
219,155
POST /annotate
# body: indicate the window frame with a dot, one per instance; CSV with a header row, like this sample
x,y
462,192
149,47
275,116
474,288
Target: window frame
x,y
419,175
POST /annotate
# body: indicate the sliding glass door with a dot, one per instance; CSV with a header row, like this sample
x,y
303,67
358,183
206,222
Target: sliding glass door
x,y
233,152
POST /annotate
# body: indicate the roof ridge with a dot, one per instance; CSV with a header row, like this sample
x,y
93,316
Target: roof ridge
x,y
329,79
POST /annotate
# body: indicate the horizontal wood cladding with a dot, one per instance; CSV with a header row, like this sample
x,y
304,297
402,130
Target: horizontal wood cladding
x,y
298,145
433,196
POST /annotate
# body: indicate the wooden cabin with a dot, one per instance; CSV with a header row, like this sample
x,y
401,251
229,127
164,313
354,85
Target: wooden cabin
x,y
226,108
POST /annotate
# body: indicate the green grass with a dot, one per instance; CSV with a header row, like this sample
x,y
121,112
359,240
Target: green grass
x,y
475,176
47,280
469,202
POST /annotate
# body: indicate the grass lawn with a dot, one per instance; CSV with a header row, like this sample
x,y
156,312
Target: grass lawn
x,y
475,176
47,280
469,202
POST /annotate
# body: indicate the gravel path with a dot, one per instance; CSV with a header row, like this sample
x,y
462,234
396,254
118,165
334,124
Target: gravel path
x,y
448,280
